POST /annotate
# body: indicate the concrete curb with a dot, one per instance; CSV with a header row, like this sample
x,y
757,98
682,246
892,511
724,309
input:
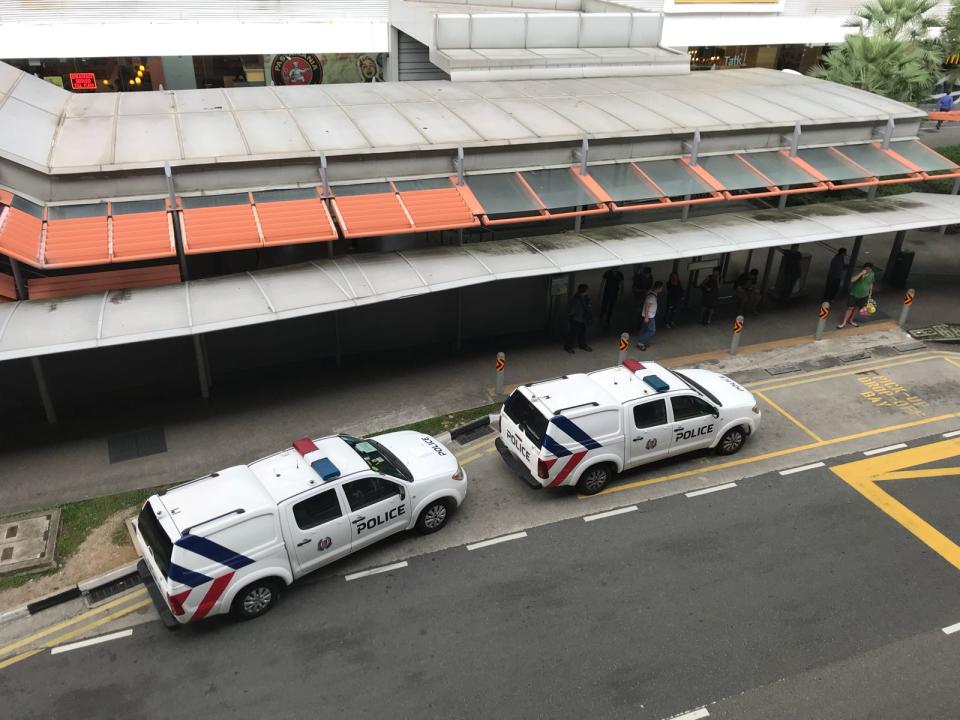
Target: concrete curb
x,y
85,586
472,425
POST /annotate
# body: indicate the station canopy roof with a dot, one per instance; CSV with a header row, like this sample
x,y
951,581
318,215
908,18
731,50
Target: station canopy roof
x,y
49,129
39,327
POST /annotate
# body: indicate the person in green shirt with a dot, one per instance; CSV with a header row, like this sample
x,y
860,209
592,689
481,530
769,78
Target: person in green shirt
x,y
861,289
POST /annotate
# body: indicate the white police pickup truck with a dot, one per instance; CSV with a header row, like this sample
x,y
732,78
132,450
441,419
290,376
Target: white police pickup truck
x,y
584,429
231,541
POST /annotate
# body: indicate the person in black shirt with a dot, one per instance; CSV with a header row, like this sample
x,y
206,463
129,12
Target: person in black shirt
x,y
709,293
610,287
674,298
838,266
579,314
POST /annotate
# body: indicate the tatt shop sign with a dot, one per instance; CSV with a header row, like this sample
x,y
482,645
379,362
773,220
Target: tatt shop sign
x,y
83,81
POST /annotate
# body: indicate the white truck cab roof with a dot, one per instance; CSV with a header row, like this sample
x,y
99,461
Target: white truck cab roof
x,y
288,473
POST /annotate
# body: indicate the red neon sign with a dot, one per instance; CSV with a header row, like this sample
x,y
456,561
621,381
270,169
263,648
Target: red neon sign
x,y
83,81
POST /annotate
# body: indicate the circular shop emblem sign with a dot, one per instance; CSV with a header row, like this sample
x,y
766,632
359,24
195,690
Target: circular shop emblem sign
x,y
297,69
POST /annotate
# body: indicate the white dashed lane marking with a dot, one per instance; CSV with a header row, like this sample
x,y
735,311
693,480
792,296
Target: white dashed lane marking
x,y
496,541
375,571
951,629
692,715
609,513
715,488
92,641
888,448
811,466
951,434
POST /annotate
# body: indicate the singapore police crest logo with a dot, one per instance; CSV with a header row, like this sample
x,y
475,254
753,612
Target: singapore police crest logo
x,y
296,69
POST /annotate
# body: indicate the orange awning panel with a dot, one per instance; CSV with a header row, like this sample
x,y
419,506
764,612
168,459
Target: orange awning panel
x,y
371,215
20,235
142,236
288,222
227,225
77,242
8,289
439,209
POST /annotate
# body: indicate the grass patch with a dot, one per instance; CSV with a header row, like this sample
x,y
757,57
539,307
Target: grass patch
x,y
444,423
77,521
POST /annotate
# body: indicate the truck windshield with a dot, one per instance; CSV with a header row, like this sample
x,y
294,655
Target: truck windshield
x,y
378,458
161,547
523,412
699,388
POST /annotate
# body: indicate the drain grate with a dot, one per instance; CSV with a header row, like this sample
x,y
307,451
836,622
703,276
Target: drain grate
x,y
115,588
909,346
853,357
138,443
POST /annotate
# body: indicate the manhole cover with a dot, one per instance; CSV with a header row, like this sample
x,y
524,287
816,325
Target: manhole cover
x,y
909,346
138,443
27,542
853,357
783,369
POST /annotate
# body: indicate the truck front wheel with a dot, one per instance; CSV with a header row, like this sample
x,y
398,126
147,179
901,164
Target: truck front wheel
x,y
256,599
595,479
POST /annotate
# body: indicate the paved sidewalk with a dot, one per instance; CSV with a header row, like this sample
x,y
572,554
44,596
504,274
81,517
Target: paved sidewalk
x,y
258,415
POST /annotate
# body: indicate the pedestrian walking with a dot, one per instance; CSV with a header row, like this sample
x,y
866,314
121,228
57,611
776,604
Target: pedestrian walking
x,y
838,266
674,292
945,104
709,294
861,291
642,282
611,286
745,291
648,316
790,273
579,314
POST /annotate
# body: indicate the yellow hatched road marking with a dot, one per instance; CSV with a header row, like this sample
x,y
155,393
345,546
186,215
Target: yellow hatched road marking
x,y
477,456
788,416
60,639
6,649
773,454
864,476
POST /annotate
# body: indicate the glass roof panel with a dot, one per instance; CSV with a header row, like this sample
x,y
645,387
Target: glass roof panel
x,y
674,178
265,196
622,183
921,156
423,184
72,212
362,189
206,201
875,160
779,168
138,206
733,174
28,207
831,165
558,188
502,193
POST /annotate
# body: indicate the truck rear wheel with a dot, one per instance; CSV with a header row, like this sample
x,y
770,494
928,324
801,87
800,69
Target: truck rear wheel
x,y
732,440
595,479
255,599
434,516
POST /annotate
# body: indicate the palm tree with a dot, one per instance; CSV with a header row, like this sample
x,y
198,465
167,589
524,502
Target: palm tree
x,y
893,55
882,65
898,19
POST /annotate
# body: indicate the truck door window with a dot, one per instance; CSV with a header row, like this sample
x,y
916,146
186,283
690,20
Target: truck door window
x,y
686,407
650,414
317,510
367,491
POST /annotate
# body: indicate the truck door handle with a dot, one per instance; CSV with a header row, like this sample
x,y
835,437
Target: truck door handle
x,y
638,439
679,427
358,518
303,542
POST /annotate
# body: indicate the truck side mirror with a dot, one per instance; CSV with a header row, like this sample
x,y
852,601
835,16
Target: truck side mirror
x,y
401,492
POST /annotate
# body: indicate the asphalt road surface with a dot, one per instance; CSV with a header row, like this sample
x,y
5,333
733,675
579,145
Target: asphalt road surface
x,y
783,596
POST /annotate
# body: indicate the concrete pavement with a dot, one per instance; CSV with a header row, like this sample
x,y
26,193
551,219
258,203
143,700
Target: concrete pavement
x,y
785,596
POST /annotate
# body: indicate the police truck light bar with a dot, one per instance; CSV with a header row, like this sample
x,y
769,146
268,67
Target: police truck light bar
x,y
322,466
633,365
